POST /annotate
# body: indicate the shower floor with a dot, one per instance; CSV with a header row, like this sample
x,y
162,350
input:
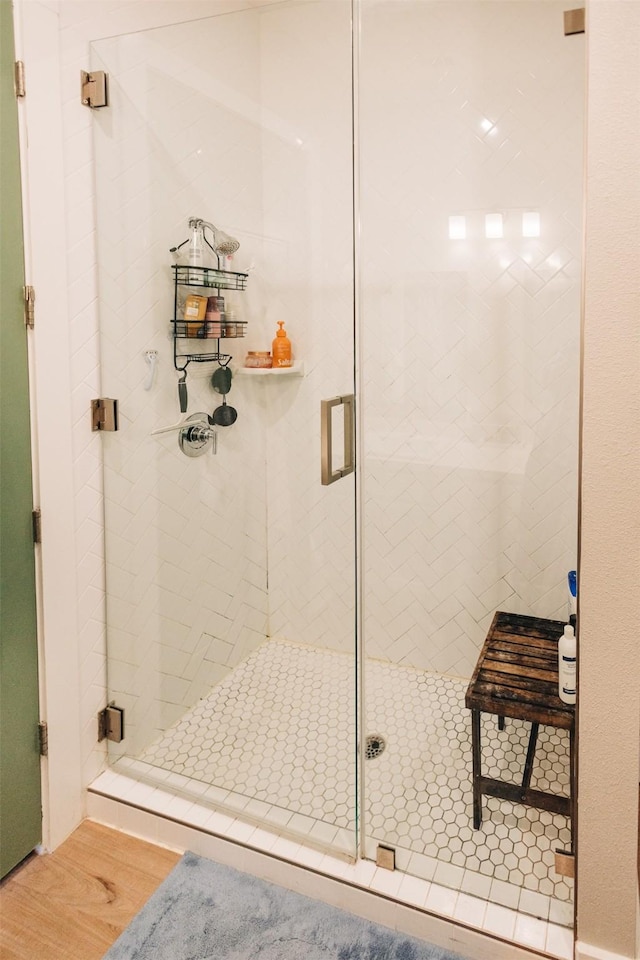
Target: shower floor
x,y
279,731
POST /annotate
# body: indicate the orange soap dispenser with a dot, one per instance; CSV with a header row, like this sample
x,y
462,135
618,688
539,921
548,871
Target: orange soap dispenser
x,y
281,348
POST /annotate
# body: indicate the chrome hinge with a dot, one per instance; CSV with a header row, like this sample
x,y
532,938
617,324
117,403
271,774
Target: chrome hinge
x,y
29,306
36,524
43,738
93,88
104,414
18,78
111,724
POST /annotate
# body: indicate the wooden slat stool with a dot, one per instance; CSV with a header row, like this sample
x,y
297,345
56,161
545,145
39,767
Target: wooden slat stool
x,y
517,676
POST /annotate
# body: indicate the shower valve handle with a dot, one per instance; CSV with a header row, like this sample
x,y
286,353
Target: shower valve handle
x,y
200,420
195,435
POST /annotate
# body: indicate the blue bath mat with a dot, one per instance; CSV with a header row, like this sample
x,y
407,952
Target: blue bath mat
x,y
206,911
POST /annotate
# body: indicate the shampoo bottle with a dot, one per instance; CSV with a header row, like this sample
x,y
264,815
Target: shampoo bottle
x,y
567,666
281,348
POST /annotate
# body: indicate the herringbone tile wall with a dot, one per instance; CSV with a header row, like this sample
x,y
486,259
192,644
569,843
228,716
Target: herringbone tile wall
x,y
468,348
308,202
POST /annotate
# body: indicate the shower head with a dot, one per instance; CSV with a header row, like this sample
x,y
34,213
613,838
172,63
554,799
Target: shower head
x,y
223,245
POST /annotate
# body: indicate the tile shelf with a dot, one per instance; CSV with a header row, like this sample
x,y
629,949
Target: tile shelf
x,y
297,370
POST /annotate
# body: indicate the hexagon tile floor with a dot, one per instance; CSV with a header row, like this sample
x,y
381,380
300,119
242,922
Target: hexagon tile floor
x,y
280,729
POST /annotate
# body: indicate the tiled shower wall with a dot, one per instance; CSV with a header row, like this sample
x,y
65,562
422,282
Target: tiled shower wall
x,y
470,343
185,538
415,581
78,24
222,137
306,82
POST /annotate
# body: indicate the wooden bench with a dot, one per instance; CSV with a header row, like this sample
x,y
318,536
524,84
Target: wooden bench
x,y
517,676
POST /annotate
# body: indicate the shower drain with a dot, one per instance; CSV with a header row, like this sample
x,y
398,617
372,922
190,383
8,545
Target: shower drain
x,y
375,745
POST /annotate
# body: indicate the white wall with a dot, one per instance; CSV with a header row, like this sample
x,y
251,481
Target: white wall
x,y
609,612
60,584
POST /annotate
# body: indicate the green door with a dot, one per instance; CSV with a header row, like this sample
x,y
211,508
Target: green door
x,y
20,811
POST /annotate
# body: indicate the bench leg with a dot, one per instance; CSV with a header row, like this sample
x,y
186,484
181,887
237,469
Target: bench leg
x,y
572,793
477,768
500,723
531,752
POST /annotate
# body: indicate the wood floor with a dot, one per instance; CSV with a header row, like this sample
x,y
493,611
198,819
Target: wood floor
x,y
72,904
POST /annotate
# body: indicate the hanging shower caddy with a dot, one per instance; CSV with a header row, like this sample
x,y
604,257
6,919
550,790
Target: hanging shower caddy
x,y
194,278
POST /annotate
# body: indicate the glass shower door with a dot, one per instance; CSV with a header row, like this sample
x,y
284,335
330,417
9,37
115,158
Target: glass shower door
x,y
470,188
230,575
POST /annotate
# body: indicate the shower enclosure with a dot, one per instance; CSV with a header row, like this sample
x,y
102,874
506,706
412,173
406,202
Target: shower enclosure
x,y
404,179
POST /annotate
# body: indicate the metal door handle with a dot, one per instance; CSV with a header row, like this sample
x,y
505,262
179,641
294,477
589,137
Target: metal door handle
x,y
328,474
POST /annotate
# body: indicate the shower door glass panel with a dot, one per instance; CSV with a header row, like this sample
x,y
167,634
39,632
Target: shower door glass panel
x,y
470,187
230,576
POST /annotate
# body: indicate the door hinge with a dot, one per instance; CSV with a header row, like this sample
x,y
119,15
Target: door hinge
x,y
565,863
36,525
18,78
386,857
43,738
93,88
29,306
111,724
574,21
104,414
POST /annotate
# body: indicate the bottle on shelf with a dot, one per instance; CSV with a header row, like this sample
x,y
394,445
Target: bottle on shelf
x,y
281,348
214,317
194,313
195,252
567,658
258,360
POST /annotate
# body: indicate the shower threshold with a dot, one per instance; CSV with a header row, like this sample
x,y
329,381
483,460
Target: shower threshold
x,y
271,746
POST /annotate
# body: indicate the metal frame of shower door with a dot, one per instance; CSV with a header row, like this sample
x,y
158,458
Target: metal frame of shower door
x,y
358,490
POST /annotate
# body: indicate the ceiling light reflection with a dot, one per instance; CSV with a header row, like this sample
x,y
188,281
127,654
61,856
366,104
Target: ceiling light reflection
x,y
457,228
493,226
